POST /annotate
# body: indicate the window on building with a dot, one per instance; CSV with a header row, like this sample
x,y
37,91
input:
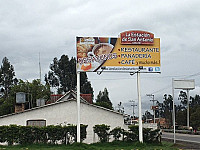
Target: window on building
x,y
39,123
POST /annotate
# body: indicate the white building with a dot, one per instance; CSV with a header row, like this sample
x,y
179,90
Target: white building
x,y
64,111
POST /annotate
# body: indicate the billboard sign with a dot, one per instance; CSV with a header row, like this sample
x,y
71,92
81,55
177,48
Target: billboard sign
x,y
183,84
111,54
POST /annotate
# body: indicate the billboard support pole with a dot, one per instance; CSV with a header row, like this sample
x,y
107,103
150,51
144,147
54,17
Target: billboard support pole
x,y
78,107
188,118
173,114
139,108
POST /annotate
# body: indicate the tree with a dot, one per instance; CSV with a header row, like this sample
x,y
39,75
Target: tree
x,y
195,121
103,99
183,98
7,81
181,117
33,91
62,75
166,107
147,115
7,74
195,101
195,112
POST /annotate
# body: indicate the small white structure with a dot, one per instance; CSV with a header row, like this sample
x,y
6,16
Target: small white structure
x,y
64,111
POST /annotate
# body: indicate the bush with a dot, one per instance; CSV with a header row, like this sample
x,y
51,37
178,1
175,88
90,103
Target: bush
x,y
12,134
50,134
116,132
149,135
102,131
132,134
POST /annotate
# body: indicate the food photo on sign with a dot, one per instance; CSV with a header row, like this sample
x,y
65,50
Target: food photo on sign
x,y
92,52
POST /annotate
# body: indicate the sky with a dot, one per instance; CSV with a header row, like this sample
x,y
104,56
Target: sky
x,y
49,28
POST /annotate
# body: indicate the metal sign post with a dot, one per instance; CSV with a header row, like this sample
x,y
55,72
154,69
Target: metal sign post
x,y
173,114
139,108
78,108
188,107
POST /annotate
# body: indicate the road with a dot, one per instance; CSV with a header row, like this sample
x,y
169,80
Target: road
x,y
182,137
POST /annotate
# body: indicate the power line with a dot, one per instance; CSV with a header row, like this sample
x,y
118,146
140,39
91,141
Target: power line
x,y
185,76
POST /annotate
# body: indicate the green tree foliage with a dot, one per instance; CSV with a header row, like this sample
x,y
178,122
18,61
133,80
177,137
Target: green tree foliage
x,y
147,115
195,112
183,98
62,76
167,107
103,99
181,109
7,74
7,81
33,91
181,117
195,101
194,119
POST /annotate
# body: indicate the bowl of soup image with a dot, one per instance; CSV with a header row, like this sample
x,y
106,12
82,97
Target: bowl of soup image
x,y
101,49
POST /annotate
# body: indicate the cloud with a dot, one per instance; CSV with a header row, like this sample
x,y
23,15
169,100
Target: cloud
x,y
28,28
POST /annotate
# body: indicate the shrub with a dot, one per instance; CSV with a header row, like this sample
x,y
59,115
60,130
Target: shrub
x,y
102,131
116,132
12,134
30,135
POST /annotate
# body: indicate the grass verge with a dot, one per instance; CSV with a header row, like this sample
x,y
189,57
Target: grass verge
x,y
96,146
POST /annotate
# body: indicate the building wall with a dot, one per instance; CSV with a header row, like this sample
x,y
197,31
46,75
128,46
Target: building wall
x,y
66,113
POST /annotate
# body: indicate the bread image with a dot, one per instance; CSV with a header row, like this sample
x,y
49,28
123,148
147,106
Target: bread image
x,y
86,67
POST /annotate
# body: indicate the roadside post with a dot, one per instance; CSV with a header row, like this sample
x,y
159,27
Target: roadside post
x,y
78,108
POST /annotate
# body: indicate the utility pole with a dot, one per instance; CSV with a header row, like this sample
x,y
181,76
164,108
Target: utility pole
x,y
133,105
40,68
188,107
153,100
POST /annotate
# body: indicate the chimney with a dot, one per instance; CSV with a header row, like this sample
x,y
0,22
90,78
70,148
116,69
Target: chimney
x,y
19,108
87,97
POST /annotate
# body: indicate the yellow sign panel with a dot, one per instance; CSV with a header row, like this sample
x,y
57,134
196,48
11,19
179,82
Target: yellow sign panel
x,y
136,55
108,54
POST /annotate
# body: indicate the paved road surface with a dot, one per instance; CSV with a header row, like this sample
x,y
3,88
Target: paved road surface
x,y
182,137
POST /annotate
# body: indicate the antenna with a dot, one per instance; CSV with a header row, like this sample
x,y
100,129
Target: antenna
x,y
39,67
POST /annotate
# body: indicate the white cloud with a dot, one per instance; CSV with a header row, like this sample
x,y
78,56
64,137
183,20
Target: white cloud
x,y
50,27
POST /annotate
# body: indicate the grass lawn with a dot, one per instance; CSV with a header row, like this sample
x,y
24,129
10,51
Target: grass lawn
x,y
95,146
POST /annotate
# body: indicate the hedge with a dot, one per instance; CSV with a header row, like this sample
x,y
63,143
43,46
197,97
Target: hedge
x,y
49,134
68,134
132,135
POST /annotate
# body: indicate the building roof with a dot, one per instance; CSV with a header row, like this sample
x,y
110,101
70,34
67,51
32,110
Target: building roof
x,y
67,97
71,95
